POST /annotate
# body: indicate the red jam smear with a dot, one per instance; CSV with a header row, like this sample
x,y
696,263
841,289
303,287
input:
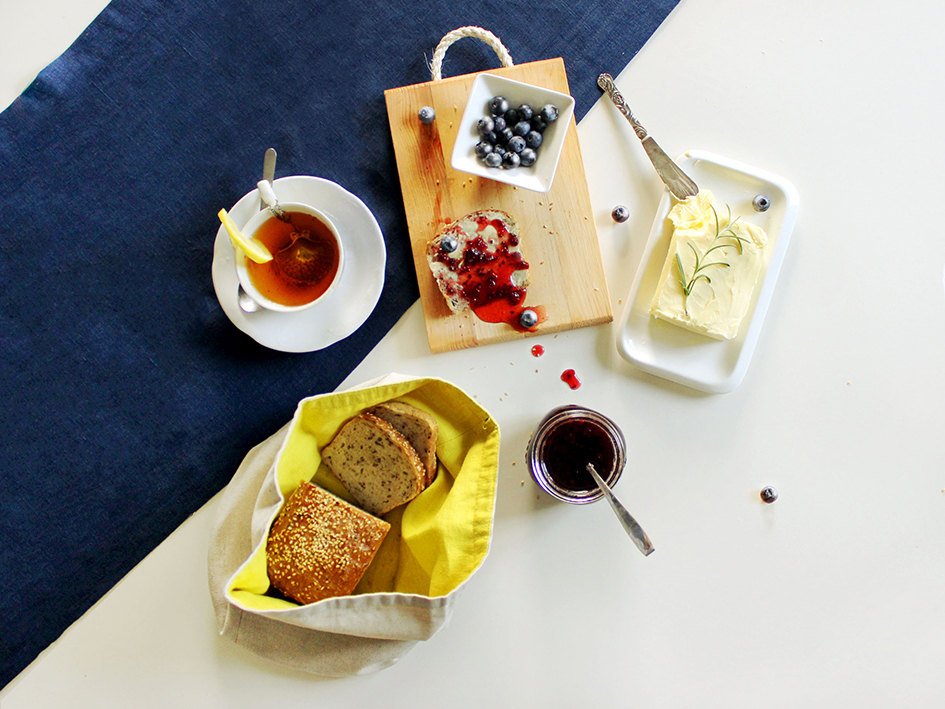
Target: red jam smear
x,y
485,277
569,377
538,351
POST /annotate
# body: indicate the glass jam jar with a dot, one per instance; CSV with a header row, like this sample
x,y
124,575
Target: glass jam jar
x,y
566,440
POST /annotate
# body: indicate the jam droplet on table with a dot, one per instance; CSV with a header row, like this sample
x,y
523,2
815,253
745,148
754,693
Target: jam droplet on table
x,y
569,377
538,351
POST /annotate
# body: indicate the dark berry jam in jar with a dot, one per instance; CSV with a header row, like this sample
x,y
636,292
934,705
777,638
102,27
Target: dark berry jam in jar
x,y
566,440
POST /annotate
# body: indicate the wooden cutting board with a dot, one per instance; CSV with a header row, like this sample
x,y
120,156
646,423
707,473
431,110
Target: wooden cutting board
x,y
558,236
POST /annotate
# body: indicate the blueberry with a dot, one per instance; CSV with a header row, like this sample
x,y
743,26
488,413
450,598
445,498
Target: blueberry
x,y
533,140
505,135
525,112
511,117
522,128
620,214
499,123
492,160
426,115
498,105
490,137
549,112
528,318
483,149
538,124
511,160
500,151
769,494
485,125
528,157
761,203
517,144
448,244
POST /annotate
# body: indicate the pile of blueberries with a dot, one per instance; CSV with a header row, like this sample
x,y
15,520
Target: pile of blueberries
x,y
512,136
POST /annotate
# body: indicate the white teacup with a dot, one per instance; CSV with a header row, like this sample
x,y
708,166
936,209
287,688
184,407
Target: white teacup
x,y
250,229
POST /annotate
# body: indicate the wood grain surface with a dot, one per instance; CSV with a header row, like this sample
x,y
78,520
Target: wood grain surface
x,y
558,236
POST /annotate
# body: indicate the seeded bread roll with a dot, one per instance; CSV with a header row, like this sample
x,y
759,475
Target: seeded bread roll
x,y
417,426
320,546
375,463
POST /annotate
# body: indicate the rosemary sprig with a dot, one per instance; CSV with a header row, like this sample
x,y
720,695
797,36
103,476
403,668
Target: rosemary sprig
x,y
718,244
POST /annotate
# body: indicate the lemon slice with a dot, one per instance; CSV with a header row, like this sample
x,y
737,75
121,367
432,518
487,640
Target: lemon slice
x,y
255,250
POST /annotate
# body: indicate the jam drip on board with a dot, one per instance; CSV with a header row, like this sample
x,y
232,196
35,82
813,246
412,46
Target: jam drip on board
x,y
485,276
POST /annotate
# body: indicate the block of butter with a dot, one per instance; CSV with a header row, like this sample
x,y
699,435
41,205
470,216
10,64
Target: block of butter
x,y
713,264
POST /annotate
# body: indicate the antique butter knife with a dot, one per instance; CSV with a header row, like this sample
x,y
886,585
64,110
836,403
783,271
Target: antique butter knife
x,y
678,182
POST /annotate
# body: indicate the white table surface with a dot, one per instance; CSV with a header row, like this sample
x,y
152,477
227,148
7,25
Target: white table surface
x,y
832,596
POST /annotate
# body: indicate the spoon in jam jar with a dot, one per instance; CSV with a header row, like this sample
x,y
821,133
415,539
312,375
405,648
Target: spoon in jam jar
x,y
632,527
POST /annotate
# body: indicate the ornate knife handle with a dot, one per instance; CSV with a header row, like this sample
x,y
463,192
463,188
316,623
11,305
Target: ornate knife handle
x,y
606,82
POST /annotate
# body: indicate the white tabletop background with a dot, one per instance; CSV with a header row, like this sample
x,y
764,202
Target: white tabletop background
x,y
832,596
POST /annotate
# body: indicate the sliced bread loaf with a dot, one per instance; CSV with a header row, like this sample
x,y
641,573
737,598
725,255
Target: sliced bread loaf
x,y
417,426
319,546
375,463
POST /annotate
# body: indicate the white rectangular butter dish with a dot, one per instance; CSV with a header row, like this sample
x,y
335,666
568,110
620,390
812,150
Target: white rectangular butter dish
x,y
674,353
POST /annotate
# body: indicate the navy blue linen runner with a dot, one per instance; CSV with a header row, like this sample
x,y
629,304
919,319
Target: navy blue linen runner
x,y
128,398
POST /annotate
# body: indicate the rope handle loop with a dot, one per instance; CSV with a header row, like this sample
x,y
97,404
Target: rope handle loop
x,y
436,66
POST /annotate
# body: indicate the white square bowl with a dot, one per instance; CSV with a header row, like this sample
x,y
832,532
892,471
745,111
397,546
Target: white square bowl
x,y
537,177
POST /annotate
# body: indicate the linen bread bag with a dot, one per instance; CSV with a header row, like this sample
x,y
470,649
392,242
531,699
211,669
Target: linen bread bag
x,y
435,544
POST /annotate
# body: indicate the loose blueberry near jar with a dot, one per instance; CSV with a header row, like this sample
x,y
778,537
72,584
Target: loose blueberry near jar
x,y
426,115
768,494
620,214
761,203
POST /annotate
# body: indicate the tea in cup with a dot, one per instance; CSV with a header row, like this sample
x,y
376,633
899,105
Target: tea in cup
x,y
307,262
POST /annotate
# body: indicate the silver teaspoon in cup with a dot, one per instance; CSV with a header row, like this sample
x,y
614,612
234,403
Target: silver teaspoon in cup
x,y
246,303
631,526
678,182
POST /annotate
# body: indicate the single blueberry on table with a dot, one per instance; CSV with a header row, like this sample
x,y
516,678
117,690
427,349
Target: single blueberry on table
x,y
761,203
499,123
511,160
498,106
483,148
769,494
620,214
517,144
485,125
549,113
533,140
528,157
525,112
492,160
426,115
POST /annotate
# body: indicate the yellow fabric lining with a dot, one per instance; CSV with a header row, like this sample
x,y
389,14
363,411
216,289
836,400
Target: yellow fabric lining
x,y
437,540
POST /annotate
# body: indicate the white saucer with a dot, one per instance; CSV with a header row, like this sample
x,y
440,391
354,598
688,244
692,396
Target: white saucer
x,y
350,302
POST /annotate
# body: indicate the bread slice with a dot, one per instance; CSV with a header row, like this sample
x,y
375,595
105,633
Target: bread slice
x,y
417,426
319,546
480,237
375,463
